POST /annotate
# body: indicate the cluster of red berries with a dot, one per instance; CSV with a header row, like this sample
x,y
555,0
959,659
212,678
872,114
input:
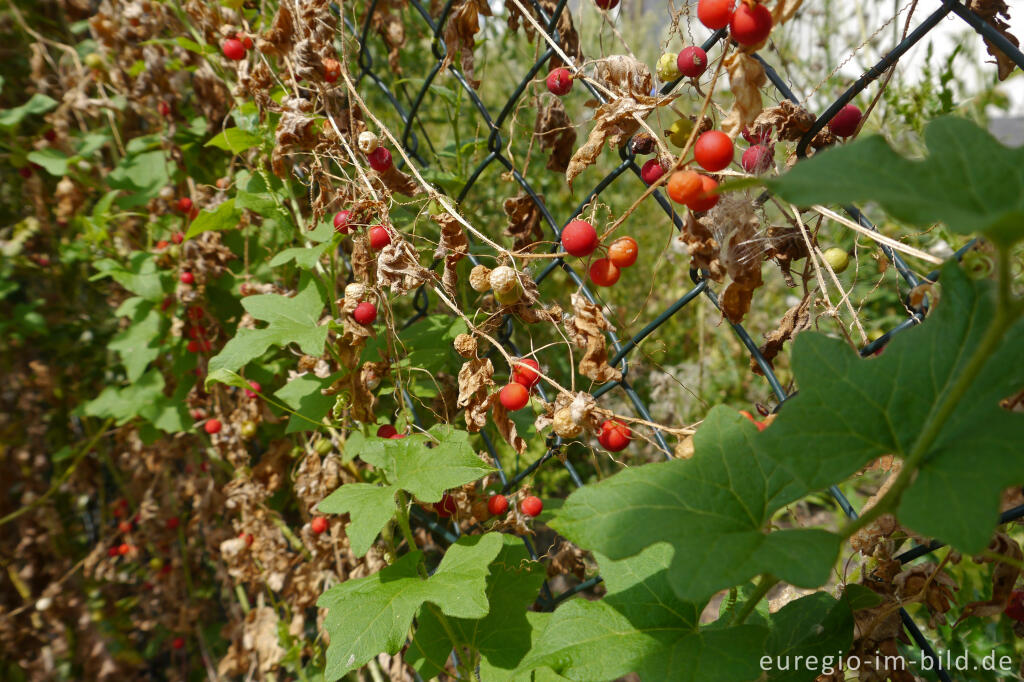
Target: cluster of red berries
x,y
760,155
749,23
516,394
497,504
579,238
235,48
379,235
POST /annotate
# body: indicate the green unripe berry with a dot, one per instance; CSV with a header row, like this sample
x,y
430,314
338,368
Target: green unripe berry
x,y
248,429
837,259
94,61
679,132
323,446
667,69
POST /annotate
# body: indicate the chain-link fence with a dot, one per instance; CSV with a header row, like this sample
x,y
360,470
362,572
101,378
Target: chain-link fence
x,y
409,106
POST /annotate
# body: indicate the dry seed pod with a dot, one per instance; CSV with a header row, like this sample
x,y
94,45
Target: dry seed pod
x,y
367,142
355,291
479,278
564,425
503,279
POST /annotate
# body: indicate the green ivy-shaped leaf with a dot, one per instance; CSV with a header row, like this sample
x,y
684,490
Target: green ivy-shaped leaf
x,y
969,181
502,637
817,625
372,615
850,411
224,217
712,509
369,507
291,320
139,343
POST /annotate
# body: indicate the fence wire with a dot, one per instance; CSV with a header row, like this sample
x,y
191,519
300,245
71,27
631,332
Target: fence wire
x,y
409,109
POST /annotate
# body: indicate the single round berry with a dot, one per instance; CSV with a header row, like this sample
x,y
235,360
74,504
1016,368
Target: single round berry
x,y
446,507
178,237
614,436
386,431
604,273
178,643
684,186
667,68
246,40
607,4
193,346
162,244
124,548
187,278
25,172
559,81
497,505
332,69
379,159
514,396
579,238
525,372
750,25
233,49
254,390
757,159
761,136
623,252
708,196
247,538
112,551
343,222
212,426
365,313
651,171
679,132
713,150
692,61
318,525
172,523
714,14
838,259
184,204
124,527
1015,606
846,120
531,505
379,237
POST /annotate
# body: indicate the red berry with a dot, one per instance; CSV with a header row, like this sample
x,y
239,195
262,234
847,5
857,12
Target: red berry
x,y
193,346
607,4
249,539
750,26
233,49
762,136
614,436
255,386
318,525
124,527
365,313
651,171
714,14
178,643
497,505
184,204
514,396
387,431
579,238
531,505
161,245
692,61
246,40
604,273
212,426
50,135
164,108
195,312
623,252
446,507
187,277
846,120
713,150
25,172
379,237
525,372
177,237
172,523
380,159
757,159
112,551
1015,607
684,186
559,81
124,548
708,196
342,221
332,69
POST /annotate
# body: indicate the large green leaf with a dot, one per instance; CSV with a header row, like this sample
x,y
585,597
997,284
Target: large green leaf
x,y
291,320
234,140
818,626
642,627
139,344
712,509
140,275
502,637
369,507
304,394
125,403
373,614
54,161
850,411
142,175
37,104
969,181
224,217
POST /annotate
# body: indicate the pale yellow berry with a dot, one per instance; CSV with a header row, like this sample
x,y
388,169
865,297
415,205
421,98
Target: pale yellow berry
x,y
667,70
479,278
367,142
564,425
837,258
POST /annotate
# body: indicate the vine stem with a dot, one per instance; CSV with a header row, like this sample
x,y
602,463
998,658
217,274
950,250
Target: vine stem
x,y
764,583
1007,312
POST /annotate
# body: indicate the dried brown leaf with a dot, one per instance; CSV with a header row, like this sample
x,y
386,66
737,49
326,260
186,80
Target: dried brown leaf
x,y
524,218
997,14
474,392
459,35
746,78
586,329
1004,577
398,267
555,132
796,320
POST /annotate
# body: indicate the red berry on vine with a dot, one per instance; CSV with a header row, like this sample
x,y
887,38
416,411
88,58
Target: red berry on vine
x,y
177,237
195,312
379,237
623,252
50,135
614,436
531,505
233,49
255,389
379,159
607,4
763,136
247,537
178,643
172,523
332,69
651,171
713,150
318,525
245,40
525,372
497,505
112,551
365,313
750,25
184,204
161,245
124,527
212,426
559,81
342,222
685,186
604,273
193,346
692,61
164,108
1015,607
757,159
514,396
579,238
124,548
387,431
446,507
25,172
187,277
714,14
846,120
708,196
